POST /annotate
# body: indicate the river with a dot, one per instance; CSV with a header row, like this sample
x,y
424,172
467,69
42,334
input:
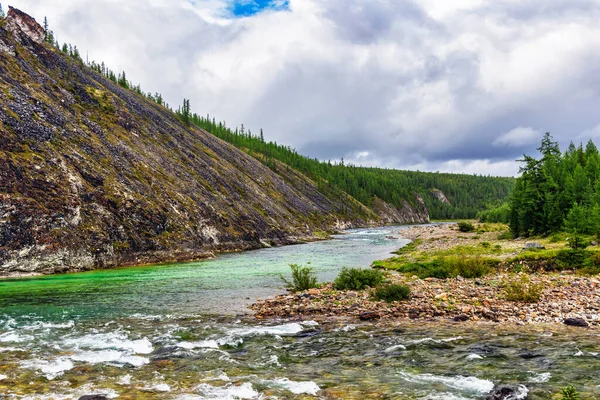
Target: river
x,y
175,332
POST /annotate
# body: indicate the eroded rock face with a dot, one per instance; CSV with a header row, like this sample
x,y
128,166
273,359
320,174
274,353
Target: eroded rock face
x,y
17,20
407,214
94,176
438,194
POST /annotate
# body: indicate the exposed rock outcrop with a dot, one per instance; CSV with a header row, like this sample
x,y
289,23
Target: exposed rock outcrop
x,y
407,214
93,175
20,23
438,194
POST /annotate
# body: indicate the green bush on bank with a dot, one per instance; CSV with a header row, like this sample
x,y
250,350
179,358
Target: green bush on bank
x,y
391,293
303,278
522,290
358,279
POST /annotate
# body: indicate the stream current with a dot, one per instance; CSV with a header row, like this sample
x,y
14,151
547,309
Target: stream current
x,y
175,332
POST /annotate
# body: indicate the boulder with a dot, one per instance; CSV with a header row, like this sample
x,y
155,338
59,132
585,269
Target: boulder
x,y
508,393
368,316
93,397
533,245
576,322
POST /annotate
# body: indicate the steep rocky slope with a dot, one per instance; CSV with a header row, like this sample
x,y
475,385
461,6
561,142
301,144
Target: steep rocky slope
x,y
93,175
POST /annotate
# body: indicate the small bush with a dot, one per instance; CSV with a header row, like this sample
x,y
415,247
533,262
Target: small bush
x,y
465,227
573,258
506,236
485,245
569,393
303,278
523,290
357,279
391,293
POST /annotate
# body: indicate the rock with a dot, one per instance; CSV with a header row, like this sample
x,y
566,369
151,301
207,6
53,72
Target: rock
x,y
93,397
369,315
528,355
508,393
460,318
533,245
576,322
18,21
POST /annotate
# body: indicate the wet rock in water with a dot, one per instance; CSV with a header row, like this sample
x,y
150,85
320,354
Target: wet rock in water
x,y
93,397
508,393
171,352
485,350
528,355
460,318
576,322
369,315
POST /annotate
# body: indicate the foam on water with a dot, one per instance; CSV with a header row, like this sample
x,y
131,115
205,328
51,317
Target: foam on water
x,y
3,377
125,380
109,356
432,340
112,340
395,348
229,392
48,325
204,344
276,330
14,337
52,369
444,396
474,357
540,378
294,387
7,349
466,383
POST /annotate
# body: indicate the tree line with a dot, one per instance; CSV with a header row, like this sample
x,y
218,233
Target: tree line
x,y
557,191
467,194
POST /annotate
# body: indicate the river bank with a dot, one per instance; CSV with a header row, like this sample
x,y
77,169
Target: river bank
x,y
564,296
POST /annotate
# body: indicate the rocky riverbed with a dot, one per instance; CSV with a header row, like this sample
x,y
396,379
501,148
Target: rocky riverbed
x,y
565,296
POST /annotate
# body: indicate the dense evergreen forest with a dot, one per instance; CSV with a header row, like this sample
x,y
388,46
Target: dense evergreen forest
x,y
467,194
559,191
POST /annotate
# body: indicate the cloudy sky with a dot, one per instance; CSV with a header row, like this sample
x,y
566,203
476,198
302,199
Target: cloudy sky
x,y
435,85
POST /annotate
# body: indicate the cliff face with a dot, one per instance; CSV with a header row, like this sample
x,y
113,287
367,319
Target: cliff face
x,y
407,214
93,175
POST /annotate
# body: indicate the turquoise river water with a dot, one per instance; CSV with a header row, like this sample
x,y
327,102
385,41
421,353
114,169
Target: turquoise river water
x,y
176,332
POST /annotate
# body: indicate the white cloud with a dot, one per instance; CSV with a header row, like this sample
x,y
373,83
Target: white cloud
x,y
518,137
424,82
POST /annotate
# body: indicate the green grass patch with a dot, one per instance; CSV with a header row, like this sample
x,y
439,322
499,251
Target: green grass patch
x,y
450,267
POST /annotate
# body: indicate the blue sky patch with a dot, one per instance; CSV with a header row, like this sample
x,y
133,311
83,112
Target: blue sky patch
x,y
246,8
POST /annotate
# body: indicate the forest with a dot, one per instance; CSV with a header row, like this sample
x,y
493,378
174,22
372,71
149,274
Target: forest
x,y
558,191
467,194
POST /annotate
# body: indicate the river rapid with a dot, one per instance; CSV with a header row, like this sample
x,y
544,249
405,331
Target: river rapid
x,y
178,332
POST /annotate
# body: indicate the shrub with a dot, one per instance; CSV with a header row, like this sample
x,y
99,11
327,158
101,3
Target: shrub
x,y
465,227
391,293
357,279
569,393
303,278
506,236
523,290
573,258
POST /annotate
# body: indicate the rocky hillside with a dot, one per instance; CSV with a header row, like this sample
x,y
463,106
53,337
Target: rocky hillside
x,y
93,175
